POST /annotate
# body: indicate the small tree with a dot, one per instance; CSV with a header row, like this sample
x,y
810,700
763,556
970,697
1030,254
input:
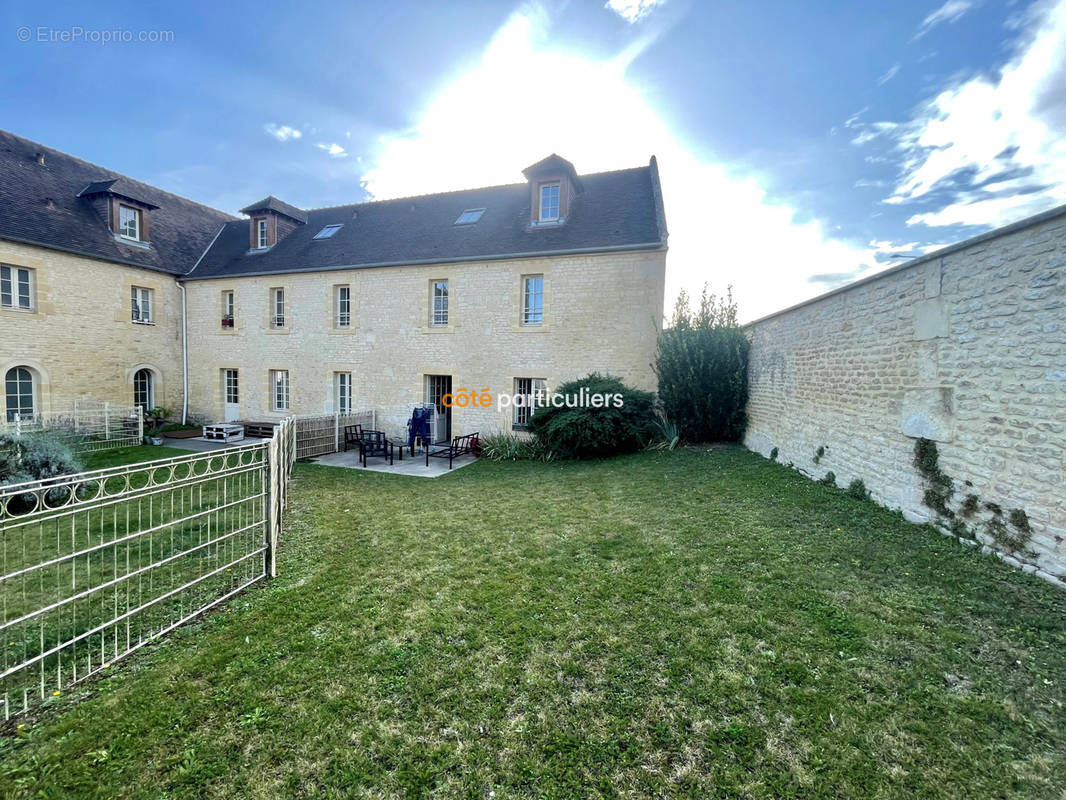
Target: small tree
x,y
702,364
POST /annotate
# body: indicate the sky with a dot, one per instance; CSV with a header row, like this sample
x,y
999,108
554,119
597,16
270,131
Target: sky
x,y
801,145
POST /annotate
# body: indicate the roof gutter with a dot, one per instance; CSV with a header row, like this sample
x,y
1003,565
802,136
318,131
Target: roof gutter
x,y
660,245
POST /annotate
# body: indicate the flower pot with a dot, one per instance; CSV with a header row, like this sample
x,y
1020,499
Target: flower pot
x,y
156,440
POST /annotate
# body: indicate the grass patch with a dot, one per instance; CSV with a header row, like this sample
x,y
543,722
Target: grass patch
x,y
691,623
120,456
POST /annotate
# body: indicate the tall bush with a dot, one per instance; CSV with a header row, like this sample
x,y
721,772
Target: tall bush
x,y
590,432
702,364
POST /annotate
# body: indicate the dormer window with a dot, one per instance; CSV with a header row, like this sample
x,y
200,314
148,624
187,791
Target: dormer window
x,y
549,202
261,233
553,189
129,223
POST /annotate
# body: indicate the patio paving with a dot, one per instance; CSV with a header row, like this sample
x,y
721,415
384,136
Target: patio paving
x,y
413,466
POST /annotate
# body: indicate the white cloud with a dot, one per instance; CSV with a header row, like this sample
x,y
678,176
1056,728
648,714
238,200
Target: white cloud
x,y
723,228
282,133
950,12
889,74
632,10
995,144
333,149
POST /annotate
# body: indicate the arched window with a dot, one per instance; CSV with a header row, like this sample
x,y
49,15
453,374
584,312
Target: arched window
x,y
19,389
144,389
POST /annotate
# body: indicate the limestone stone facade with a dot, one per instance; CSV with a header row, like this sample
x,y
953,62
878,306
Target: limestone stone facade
x,y
79,339
600,313
967,348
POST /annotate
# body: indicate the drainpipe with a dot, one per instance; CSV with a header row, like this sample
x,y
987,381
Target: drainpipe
x,y
184,357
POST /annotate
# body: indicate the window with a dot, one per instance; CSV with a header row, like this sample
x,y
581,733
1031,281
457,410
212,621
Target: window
x,y
549,202
279,381
19,386
342,382
261,233
231,387
470,216
16,288
440,303
532,299
277,308
328,231
343,306
527,392
227,309
129,222
141,304
144,389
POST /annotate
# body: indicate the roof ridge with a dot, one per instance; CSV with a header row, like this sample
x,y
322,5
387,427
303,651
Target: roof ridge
x,y
461,191
115,173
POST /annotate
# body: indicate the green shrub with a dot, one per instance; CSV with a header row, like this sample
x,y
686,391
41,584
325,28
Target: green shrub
x,y
511,447
829,479
664,434
858,490
588,432
701,361
35,456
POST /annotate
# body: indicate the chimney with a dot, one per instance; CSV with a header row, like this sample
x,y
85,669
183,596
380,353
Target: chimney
x,y
39,158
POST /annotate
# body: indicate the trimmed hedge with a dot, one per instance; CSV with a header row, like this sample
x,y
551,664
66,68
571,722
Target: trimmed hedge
x,y
588,432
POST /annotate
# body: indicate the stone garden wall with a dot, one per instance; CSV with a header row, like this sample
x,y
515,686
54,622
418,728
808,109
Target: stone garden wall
x,y
967,348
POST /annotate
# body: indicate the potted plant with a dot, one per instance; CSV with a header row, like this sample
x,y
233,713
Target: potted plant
x,y
158,416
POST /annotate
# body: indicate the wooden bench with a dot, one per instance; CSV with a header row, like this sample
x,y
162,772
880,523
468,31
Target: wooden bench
x,y
460,446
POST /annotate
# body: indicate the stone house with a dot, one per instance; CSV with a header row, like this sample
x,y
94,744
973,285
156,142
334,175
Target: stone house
x,y
117,290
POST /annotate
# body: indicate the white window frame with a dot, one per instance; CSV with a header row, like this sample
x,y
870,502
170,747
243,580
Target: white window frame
x,y
277,308
342,306
439,300
147,390
532,315
231,386
141,302
547,187
229,306
342,392
13,280
261,234
529,388
20,381
279,390
124,227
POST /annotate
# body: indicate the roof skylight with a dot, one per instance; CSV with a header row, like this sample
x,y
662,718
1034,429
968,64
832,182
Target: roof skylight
x,y
328,231
470,216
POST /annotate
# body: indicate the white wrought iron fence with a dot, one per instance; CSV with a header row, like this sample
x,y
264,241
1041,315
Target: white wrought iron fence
x,y
319,434
96,565
89,426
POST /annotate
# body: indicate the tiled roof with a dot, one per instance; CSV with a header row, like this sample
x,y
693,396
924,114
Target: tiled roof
x,y
616,210
273,204
40,204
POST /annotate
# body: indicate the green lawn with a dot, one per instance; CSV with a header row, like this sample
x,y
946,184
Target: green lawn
x,y
128,455
700,623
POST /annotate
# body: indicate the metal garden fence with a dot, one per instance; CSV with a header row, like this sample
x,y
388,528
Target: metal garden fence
x,y
98,564
90,425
